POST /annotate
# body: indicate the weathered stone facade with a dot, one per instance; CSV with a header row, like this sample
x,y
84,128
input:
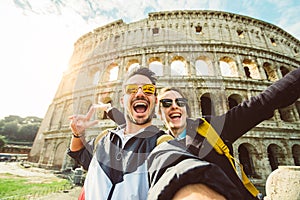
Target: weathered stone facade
x,y
217,59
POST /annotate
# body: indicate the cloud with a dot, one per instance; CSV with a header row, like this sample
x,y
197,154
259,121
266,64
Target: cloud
x,y
293,29
216,5
288,16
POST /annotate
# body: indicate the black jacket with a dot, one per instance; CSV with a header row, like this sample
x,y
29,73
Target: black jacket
x,y
230,126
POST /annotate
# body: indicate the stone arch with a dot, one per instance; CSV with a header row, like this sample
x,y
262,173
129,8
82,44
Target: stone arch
x,y
251,69
155,65
59,155
275,155
203,66
297,104
56,116
234,100
284,70
206,105
247,155
296,154
287,114
104,99
48,151
178,66
94,75
111,73
132,64
228,67
68,111
270,72
85,106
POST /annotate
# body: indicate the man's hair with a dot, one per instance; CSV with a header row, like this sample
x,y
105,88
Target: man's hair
x,y
167,89
142,71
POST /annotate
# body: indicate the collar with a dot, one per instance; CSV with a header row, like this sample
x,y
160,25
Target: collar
x,y
182,135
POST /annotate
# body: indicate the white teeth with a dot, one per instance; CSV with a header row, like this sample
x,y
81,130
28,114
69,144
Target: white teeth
x,y
140,104
175,115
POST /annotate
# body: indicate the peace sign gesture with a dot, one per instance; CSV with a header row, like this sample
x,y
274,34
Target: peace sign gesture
x,y
81,122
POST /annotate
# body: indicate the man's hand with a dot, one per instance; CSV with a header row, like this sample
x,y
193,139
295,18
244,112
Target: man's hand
x,y
81,122
102,106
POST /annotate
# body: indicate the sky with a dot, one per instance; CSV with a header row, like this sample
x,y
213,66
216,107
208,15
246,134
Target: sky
x,y
37,38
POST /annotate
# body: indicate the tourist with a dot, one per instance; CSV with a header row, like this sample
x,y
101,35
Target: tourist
x,y
174,111
117,164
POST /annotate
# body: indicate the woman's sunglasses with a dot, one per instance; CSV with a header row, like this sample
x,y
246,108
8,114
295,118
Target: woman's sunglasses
x,y
147,89
181,102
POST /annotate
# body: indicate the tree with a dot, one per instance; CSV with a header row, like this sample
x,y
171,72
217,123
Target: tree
x,y
10,130
16,128
28,132
2,141
12,118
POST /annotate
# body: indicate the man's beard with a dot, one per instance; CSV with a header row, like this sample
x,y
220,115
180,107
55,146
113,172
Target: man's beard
x,y
138,122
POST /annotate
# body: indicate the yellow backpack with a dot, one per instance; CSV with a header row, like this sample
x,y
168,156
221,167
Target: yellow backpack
x,y
207,131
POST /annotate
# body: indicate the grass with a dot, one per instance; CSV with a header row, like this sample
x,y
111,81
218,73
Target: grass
x,y
12,185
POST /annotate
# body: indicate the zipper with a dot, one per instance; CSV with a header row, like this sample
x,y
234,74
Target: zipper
x,y
111,192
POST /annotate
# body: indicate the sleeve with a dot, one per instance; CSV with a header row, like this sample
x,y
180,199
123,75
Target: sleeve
x,y
250,113
170,168
116,115
84,155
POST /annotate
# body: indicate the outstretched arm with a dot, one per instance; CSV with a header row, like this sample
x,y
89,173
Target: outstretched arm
x,y
248,114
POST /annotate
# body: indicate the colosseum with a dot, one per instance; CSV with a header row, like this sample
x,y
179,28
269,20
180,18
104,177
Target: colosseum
x,y
217,59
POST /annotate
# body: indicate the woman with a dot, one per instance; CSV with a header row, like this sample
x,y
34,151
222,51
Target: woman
x,y
174,111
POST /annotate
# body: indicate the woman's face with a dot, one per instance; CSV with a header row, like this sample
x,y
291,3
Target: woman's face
x,y
173,112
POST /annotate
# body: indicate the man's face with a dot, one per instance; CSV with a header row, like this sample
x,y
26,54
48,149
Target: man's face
x,y
173,114
139,105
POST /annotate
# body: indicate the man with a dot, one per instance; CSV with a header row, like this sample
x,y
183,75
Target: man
x,y
118,168
119,160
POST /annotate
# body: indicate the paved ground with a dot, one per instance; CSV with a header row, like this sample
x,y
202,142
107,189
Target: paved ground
x,y
38,175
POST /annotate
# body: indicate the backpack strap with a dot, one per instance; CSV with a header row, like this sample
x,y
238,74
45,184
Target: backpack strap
x,y
163,138
98,138
207,131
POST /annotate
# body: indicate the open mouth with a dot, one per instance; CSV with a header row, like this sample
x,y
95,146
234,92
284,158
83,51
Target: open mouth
x,y
140,107
175,115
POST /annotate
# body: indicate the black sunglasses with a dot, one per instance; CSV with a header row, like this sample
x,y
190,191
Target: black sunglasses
x,y
181,102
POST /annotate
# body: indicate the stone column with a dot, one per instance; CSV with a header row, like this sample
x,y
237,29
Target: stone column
x,y
143,60
284,183
195,104
52,155
261,69
220,103
240,67
167,68
41,160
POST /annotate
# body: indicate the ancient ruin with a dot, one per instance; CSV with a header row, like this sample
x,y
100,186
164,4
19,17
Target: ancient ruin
x,y
217,59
